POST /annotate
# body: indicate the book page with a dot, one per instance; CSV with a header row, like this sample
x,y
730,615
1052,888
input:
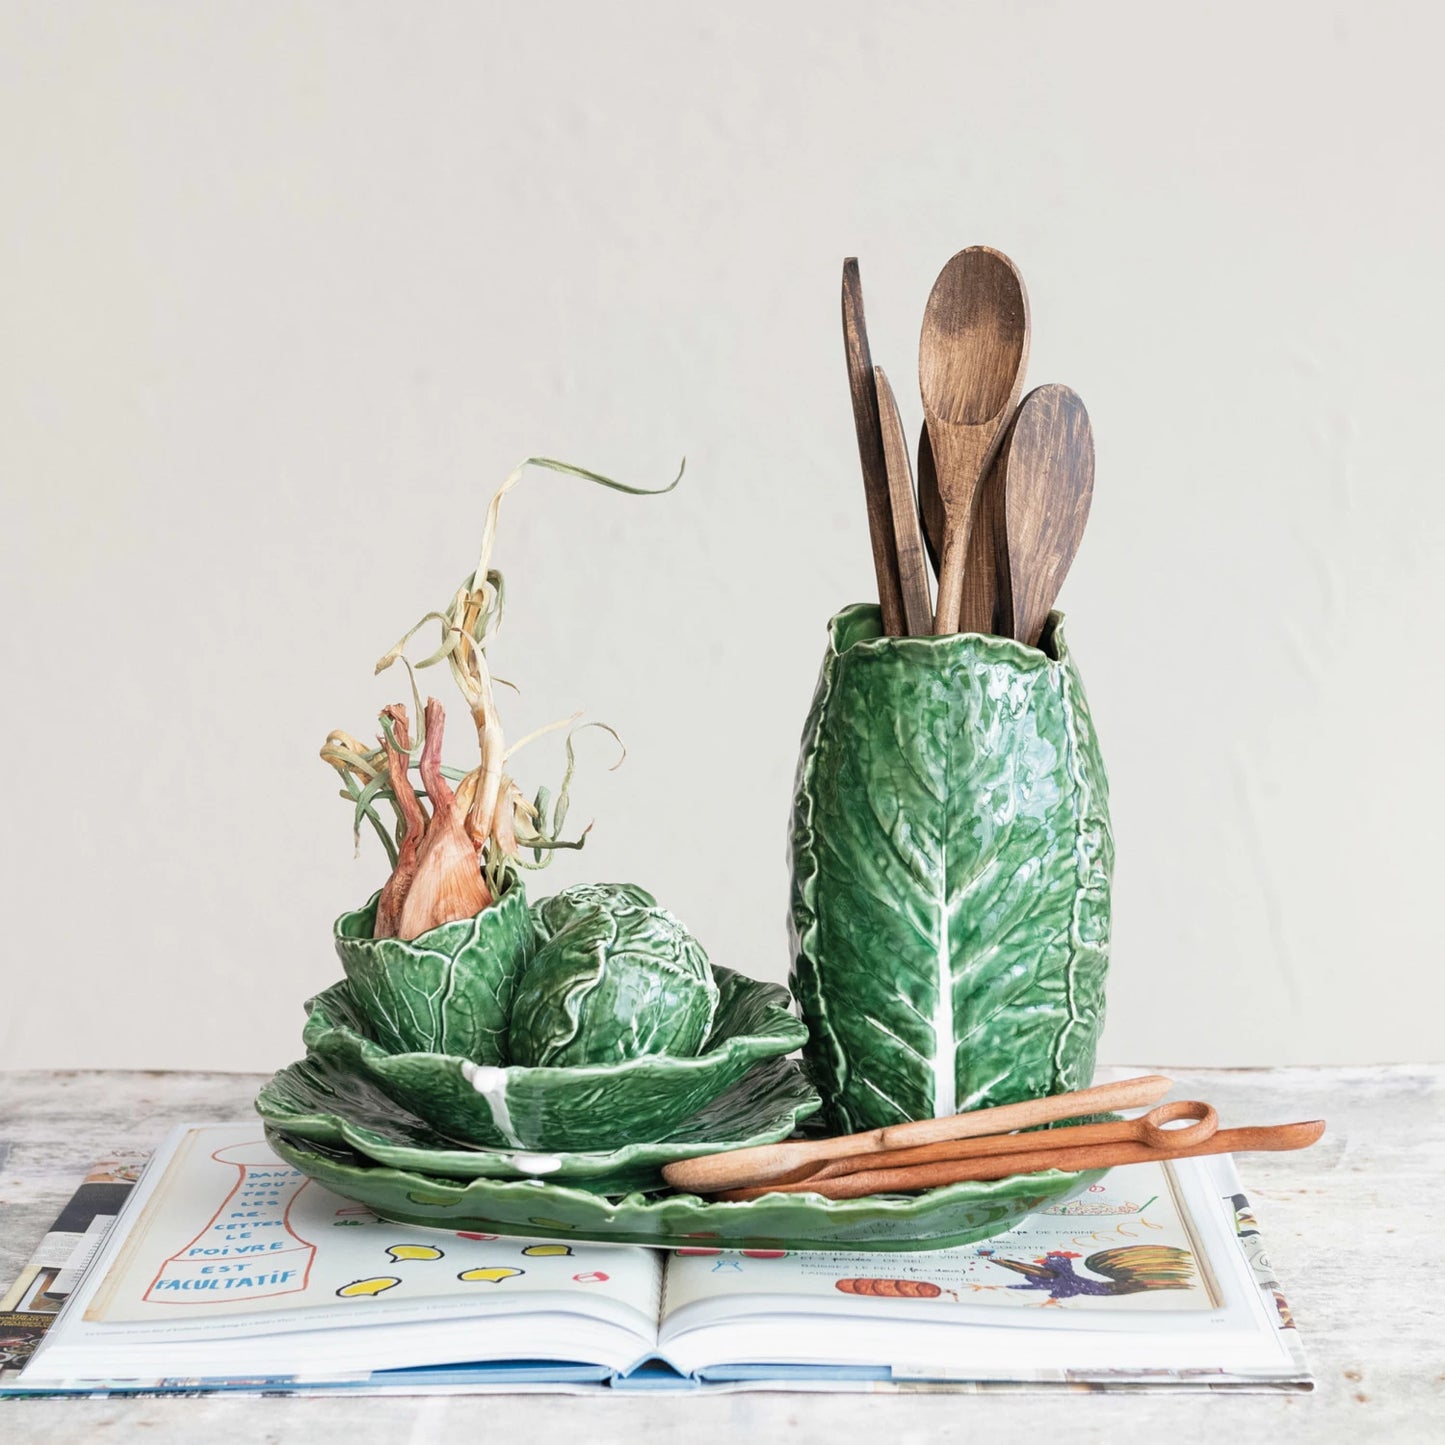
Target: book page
x,y
229,1232
1123,1247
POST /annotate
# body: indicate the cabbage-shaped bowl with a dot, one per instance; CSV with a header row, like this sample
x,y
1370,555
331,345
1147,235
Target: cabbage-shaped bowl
x,y
312,1100
448,989
585,1106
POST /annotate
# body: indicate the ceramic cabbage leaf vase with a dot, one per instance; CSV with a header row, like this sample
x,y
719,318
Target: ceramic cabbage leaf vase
x,y
951,859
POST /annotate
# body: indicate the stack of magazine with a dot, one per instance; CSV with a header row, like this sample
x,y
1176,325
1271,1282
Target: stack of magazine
x,y
224,1269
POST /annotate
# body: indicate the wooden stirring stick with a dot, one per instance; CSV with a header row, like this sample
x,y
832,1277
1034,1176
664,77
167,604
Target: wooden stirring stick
x,y
911,559
870,450
1003,1166
741,1167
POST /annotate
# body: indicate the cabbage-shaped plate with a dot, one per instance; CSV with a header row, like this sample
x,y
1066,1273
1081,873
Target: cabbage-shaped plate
x,y
939,1218
317,1101
583,1106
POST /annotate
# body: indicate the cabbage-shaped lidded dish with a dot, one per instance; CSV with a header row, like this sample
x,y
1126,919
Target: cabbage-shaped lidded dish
x,y
616,978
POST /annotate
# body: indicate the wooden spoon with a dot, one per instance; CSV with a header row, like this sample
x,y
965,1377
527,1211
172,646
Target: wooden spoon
x,y
1046,471
870,450
971,359
884,1180
761,1162
907,530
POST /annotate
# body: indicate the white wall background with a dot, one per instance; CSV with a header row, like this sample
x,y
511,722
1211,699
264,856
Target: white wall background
x,y
287,289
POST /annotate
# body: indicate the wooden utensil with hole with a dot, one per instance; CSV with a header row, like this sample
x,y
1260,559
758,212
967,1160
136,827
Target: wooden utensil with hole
x,y
739,1167
870,450
1046,474
887,1180
980,610
1147,1129
971,358
907,529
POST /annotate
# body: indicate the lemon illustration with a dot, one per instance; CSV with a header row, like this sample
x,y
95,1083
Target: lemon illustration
x,y
378,1284
491,1274
542,1251
414,1251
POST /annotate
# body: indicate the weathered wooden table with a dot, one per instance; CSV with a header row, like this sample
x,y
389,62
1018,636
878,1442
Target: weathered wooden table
x,y
1351,1225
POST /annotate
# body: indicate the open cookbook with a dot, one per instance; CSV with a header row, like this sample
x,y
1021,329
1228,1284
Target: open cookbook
x,y
228,1269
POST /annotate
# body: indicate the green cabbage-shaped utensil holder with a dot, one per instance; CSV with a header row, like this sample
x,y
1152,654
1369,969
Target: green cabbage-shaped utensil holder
x,y
449,990
951,860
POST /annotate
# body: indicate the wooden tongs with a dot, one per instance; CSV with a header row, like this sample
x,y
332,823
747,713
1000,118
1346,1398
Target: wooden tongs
x,y
763,1162
978,1145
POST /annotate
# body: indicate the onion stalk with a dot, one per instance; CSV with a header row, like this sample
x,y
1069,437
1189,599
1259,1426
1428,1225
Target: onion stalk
x,y
458,861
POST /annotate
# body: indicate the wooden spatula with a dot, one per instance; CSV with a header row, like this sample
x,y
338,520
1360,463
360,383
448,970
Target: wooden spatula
x,y
971,357
870,450
907,529
739,1167
1045,473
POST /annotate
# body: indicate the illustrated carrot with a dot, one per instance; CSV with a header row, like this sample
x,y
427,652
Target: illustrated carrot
x,y
890,1288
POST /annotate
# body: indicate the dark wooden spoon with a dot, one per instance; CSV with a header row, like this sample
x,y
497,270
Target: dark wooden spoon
x,y
971,358
1046,474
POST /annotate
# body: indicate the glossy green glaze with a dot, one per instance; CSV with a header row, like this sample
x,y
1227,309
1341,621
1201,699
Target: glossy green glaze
x,y
952,1215
315,1100
591,1107
553,914
449,989
617,978
951,861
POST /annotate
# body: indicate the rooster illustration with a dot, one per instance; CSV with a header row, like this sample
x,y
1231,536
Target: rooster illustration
x,y
1129,1269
